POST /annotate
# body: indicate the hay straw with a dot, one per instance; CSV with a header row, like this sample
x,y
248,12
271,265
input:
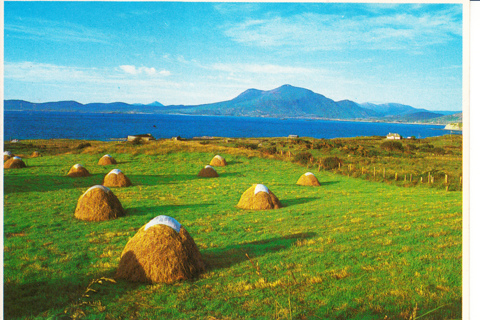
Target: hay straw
x,y
308,179
14,163
218,161
208,172
260,201
35,154
106,160
98,203
160,254
116,178
78,171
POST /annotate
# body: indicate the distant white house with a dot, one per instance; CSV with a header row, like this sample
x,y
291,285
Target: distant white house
x,y
394,136
143,137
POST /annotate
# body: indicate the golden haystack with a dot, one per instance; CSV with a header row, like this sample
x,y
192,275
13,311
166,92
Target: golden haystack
x,y
35,154
14,163
258,197
160,253
7,155
218,161
116,178
78,171
98,204
308,179
208,172
106,160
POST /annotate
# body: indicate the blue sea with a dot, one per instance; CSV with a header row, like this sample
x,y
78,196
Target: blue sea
x,y
24,125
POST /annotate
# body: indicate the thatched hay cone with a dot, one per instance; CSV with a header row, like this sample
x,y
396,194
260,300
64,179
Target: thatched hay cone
x,y
161,251
98,204
308,179
14,163
7,155
106,160
208,172
258,197
78,171
218,161
116,178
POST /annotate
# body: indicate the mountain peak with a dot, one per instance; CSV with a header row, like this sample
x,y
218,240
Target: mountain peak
x,y
155,104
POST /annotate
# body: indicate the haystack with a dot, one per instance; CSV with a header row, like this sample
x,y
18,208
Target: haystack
x,y
106,160
78,171
7,155
161,251
308,179
218,161
116,178
35,154
14,163
208,172
98,204
258,197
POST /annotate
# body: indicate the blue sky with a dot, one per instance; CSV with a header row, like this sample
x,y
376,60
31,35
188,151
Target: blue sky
x,y
193,53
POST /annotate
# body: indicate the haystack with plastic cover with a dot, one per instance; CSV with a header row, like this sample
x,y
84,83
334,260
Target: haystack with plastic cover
x,y
218,161
78,170
259,197
161,251
116,178
98,204
308,179
35,154
106,160
208,172
14,163
7,155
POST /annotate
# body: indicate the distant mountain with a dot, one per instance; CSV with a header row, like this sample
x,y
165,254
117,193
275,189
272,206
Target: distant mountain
x,y
73,106
415,116
457,117
155,104
391,109
283,102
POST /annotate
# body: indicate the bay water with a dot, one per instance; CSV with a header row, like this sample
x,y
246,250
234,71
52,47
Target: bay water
x,y
24,125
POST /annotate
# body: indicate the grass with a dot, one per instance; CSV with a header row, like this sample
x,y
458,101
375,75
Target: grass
x,y
350,249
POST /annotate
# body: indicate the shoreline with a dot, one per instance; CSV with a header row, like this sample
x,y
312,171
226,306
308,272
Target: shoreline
x,y
232,116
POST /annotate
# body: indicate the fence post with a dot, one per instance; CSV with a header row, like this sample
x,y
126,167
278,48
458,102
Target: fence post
x,y
396,176
410,177
374,172
383,173
405,179
446,179
421,179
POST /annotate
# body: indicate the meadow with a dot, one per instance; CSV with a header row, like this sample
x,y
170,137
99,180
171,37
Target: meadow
x,y
360,246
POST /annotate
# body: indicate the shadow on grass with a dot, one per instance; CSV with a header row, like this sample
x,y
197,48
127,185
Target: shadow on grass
x,y
44,183
33,298
231,174
327,183
153,180
220,258
164,210
295,201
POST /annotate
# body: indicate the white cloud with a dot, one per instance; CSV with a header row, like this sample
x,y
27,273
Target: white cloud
x,y
312,31
130,69
260,68
41,29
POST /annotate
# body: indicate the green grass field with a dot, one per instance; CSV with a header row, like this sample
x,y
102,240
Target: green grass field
x,y
349,249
